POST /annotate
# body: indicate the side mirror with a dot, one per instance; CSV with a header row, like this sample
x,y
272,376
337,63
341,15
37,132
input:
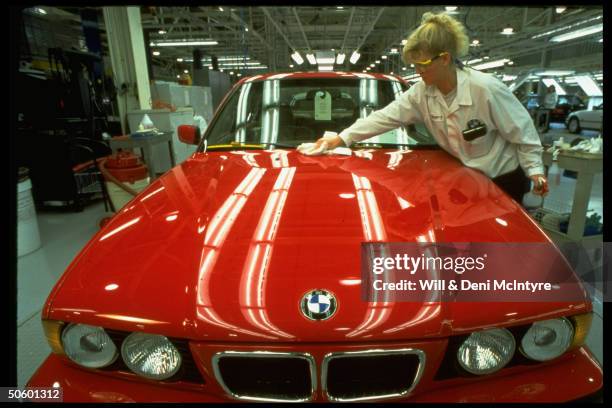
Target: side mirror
x,y
189,134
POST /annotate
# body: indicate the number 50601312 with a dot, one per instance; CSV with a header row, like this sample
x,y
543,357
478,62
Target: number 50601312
x,y
32,394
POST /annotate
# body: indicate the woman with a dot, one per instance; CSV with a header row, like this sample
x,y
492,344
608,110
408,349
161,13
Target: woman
x,y
472,115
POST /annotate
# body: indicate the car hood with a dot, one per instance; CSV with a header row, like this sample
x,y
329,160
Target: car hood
x,y
224,247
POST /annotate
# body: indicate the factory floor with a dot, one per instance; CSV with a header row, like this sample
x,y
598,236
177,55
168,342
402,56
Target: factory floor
x,y
64,234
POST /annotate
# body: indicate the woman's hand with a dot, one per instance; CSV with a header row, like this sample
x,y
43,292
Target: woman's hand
x,y
331,141
540,184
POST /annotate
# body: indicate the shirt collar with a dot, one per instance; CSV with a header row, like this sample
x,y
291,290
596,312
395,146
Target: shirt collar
x,y
463,88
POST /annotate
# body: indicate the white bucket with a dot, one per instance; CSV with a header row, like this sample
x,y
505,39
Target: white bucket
x,y
119,196
28,235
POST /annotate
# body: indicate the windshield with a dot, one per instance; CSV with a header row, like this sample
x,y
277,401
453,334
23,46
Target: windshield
x,y
288,112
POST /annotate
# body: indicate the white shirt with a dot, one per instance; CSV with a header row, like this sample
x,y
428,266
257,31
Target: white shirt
x,y
550,100
511,137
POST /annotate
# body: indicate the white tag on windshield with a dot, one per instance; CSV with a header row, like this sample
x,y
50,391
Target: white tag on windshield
x,y
322,105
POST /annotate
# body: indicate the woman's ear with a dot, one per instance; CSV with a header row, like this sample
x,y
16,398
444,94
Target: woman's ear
x,y
447,59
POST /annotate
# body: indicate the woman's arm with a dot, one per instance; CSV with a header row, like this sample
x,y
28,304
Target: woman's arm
x,y
400,112
515,125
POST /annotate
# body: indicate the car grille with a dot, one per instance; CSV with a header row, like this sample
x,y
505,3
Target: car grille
x,y
266,376
371,374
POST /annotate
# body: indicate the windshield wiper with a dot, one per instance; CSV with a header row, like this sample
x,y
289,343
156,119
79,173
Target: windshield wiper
x,y
279,145
235,144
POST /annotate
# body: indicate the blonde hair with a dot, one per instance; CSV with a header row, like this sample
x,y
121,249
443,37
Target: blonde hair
x,y
437,33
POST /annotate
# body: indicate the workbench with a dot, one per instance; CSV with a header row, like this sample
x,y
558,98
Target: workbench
x,y
586,165
145,144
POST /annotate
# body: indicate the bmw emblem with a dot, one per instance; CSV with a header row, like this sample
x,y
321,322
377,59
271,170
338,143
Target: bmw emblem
x,y
318,304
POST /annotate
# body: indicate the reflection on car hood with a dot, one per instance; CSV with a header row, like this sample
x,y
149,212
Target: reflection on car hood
x,y
225,245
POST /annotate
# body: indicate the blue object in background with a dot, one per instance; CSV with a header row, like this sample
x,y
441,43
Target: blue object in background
x,y
592,226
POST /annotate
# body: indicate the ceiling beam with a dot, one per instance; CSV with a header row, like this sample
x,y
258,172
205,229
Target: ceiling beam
x,y
365,37
237,18
348,28
280,31
301,28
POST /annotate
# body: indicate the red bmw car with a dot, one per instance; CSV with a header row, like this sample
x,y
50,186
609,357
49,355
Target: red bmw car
x,y
236,275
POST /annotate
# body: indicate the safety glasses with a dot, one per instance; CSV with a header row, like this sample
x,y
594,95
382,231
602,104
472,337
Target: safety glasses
x,y
427,63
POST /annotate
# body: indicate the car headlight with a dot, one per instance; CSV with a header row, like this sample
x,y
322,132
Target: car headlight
x,y
151,355
547,339
88,346
486,351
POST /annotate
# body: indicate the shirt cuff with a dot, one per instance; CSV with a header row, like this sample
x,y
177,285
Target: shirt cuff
x,y
346,138
535,170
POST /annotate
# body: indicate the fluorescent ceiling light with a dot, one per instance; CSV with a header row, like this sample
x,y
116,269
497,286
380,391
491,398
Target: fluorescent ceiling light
x,y
510,62
404,68
372,65
230,65
578,33
290,65
412,78
239,63
588,85
394,51
311,59
554,73
297,58
451,8
506,78
326,67
491,64
184,43
156,53
340,7
377,61
179,60
237,59
325,61
508,31
384,57
354,57
560,9
340,58
475,42
558,89
556,30
162,31
186,71
178,76
220,8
